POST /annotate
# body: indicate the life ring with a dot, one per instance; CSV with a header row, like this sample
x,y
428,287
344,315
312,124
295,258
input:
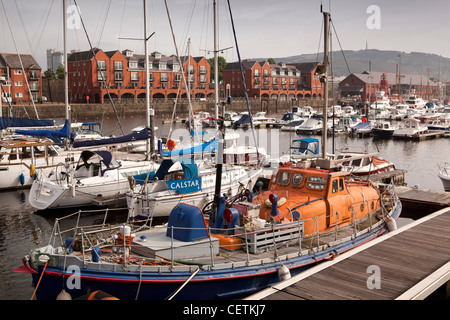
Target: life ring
x,y
281,201
32,170
170,144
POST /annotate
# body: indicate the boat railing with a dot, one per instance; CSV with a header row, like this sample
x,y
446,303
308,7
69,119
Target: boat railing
x,y
101,234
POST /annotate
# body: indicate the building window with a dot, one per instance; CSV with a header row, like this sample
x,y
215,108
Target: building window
x,y
134,76
117,65
101,75
176,67
133,64
117,75
162,66
203,78
102,65
19,95
256,72
119,85
34,85
191,69
18,72
18,83
164,77
34,74
202,69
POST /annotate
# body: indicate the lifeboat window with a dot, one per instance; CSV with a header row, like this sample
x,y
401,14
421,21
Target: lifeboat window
x,y
283,178
316,183
341,184
297,179
335,186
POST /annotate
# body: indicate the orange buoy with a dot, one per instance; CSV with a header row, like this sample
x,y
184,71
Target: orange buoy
x,y
100,295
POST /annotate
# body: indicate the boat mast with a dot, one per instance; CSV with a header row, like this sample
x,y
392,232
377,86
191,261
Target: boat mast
x,y
324,79
216,63
66,75
149,112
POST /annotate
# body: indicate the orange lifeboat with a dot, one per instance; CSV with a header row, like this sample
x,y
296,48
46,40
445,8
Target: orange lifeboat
x,y
324,199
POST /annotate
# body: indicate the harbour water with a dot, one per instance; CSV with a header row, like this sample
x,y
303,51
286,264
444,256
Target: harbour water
x,y
22,229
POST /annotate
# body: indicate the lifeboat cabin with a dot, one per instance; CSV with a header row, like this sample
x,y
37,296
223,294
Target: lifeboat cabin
x,y
325,199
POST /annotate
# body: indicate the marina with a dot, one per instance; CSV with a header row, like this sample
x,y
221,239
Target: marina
x,y
229,203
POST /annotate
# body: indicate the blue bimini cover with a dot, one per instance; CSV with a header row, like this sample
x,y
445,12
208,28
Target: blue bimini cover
x,y
188,223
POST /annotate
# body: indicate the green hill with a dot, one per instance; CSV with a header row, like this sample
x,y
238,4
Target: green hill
x,y
381,61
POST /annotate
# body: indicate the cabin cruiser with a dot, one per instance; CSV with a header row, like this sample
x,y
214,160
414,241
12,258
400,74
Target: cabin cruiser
x,y
97,174
383,129
409,128
415,101
25,159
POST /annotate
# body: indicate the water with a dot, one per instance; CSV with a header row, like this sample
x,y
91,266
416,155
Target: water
x,y
21,229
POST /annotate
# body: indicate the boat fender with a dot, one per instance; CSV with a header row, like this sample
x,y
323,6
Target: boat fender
x,y
283,273
95,254
64,295
100,295
21,179
391,224
32,170
274,199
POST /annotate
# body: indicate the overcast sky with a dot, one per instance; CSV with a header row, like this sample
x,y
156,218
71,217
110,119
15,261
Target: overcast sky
x,y
265,28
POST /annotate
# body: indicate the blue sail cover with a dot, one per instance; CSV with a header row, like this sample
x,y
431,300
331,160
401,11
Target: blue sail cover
x,y
14,122
209,146
135,136
52,134
243,120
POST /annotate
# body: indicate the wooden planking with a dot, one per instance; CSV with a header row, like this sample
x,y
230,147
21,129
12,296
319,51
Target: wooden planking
x,y
423,195
404,260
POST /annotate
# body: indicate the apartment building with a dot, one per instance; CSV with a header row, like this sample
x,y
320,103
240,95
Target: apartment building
x,y
283,81
22,84
122,76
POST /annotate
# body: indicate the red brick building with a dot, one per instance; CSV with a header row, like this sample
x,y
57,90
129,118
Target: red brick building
x,y
273,81
124,76
16,79
366,85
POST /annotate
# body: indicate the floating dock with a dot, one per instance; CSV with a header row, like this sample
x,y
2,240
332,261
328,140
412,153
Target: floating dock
x,y
409,263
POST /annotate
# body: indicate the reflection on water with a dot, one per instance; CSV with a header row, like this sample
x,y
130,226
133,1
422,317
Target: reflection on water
x,y
21,229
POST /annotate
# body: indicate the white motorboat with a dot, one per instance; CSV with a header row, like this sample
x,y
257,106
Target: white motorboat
x,y
383,129
260,118
97,174
415,101
363,164
409,128
230,117
310,126
25,159
444,175
155,195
